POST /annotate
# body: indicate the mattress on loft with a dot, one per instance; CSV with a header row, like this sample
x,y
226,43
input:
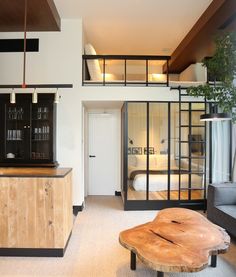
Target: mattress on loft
x,y
160,182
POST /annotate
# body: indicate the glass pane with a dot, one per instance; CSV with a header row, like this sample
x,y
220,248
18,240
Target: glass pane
x,y
184,106
137,160
16,128
41,132
155,72
158,151
136,71
114,70
198,106
185,118
196,118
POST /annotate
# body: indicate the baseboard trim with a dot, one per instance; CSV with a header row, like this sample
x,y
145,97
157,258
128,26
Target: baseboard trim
x,y
77,209
34,252
117,193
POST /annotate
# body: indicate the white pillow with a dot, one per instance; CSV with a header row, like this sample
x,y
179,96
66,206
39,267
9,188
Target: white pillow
x,y
162,162
132,160
93,65
142,161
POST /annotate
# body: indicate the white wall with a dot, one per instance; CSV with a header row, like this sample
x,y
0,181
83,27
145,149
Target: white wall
x,y
58,61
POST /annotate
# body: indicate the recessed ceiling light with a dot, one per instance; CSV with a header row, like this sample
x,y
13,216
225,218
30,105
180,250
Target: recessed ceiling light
x,y
165,50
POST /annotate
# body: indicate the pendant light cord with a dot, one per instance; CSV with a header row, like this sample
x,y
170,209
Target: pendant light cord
x,y
25,26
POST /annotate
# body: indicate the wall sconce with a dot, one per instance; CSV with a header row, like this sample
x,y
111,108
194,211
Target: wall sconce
x,y
130,141
56,97
35,97
12,97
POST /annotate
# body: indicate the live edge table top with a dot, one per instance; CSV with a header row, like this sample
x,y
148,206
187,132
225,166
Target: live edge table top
x,y
177,240
34,172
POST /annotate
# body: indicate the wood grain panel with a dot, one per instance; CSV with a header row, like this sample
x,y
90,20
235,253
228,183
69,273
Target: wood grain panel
x,y
33,172
42,16
35,212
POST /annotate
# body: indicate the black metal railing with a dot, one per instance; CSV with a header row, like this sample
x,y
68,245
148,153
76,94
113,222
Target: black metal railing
x,y
124,82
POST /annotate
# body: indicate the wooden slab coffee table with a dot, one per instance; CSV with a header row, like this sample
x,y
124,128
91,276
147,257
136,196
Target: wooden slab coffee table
x,y
177,240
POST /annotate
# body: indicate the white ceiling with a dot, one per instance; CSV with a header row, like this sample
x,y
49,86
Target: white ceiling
x,y
134,26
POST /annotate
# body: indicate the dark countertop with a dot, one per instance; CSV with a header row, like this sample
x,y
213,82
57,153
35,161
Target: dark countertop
x,y
34,172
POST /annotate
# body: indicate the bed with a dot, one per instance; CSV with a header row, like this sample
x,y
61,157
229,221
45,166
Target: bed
x,y
193,75
158,174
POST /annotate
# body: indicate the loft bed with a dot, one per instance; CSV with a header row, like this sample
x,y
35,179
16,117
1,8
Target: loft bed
x,y
115,70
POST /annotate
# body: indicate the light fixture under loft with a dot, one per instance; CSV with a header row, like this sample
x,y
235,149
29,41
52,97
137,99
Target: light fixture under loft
x,y
215,117
56,97
35,97
12,97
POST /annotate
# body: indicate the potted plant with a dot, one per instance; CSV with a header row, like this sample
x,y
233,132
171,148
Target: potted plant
x,y
221,70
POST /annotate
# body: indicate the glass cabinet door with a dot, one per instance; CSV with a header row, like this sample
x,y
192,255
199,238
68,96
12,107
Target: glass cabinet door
x,y
41,131
17,126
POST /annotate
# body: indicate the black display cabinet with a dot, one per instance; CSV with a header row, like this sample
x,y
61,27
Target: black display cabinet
x,y
28,131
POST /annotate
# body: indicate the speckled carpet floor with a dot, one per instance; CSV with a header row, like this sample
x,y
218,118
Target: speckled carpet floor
x,y
94,250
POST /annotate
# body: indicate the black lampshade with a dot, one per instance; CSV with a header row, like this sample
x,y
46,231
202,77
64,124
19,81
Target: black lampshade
x,y
215,117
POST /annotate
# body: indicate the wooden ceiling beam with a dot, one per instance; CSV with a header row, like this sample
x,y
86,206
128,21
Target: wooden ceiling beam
x,y
42,16
198,43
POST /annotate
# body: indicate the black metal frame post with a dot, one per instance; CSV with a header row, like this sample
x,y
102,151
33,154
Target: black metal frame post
x,y
160,274
167,73
125,168
169,148
213,260
147,81
147,176
230,151
104,71
125,72
190,152
204,152
132,260
180,139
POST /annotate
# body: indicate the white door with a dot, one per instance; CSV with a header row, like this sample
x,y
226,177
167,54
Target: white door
x,y
102,149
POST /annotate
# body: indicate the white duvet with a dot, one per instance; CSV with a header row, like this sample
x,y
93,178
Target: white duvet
x,y
160,182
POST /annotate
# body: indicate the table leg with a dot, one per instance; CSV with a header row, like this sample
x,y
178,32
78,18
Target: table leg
x,y
213,260
160,274
132,260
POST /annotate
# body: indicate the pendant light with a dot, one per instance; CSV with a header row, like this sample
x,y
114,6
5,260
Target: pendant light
x,y
215,117
56,97
35,97
25,42
12,97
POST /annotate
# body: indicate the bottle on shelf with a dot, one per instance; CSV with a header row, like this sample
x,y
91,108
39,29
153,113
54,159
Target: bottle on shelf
x,y
15,113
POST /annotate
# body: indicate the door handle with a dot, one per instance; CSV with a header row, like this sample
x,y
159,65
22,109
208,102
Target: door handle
x,y
92,156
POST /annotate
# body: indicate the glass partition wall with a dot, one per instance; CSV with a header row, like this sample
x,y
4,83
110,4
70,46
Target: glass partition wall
x,y
164,155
